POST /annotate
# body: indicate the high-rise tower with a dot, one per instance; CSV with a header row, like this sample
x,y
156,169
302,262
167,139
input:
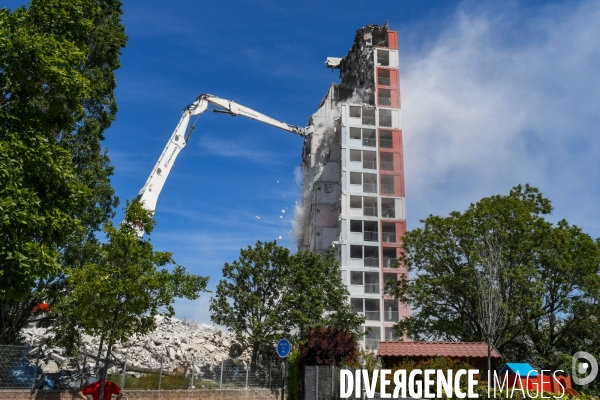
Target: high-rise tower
x,y
353,188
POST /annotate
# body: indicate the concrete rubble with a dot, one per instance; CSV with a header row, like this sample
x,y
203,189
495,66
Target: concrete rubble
x,y
176,340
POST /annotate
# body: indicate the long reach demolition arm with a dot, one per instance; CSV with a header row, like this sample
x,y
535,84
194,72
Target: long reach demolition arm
x,y
151,190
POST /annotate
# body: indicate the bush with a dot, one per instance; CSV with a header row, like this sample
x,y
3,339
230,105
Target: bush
x,y
328,346
294,377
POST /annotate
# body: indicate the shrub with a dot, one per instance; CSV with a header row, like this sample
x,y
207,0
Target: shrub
x,y
328,346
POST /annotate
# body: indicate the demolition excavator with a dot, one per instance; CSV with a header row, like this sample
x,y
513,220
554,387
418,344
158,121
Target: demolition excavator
x,y
148,196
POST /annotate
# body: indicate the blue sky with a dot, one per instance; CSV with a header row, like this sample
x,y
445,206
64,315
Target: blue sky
x,y
493,94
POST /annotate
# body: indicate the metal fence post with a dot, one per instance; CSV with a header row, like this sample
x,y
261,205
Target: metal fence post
x,y
247,369
124,370
283,379
37,365
317,385
83,369
332,380
270,359
221,380
160,372
193,371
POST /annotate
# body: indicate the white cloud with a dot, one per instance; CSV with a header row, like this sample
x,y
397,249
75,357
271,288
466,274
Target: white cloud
x,y
501,99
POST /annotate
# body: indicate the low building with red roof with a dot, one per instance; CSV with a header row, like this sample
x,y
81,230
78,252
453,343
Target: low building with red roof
x,y
474,353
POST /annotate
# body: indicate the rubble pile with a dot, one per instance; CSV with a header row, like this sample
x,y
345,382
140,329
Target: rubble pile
x,y
176,341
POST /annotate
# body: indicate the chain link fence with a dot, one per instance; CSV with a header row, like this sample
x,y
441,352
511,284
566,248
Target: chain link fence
x,y
22,367
321,382
16,371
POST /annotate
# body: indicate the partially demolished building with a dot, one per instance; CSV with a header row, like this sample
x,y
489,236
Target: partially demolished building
x,y
353,187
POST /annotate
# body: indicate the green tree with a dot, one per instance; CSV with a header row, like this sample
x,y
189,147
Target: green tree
x,y
547,278
269,293
57,62
120,294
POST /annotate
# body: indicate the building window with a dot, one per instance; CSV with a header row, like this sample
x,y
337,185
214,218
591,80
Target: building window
x,y
356,252
384,97
385,140
368,116
389,260
356,226
388,208
387,161
370,207
355,178
358,305
369,159
371,282
383,58
385,117
388,234
390,311
356,202
370,183
356,278
372,312
355,156
387,184
383,77
354,112
390,334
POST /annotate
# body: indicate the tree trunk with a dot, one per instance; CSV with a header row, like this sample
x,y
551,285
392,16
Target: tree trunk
x,y
489,361
14,316
105,372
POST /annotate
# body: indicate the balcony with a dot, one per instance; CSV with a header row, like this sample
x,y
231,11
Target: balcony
x,y
387,165
389,262
370,121
370,211
370,164
387,189
389,237
371,262
388,212
370,187
385,101
381,80
383,60
372,315
386,143
391,316
384,121
372,288
369,142
370,236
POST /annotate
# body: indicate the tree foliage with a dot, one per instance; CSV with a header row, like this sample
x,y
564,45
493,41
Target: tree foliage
x,y
269,293
548,277
120,294
57,63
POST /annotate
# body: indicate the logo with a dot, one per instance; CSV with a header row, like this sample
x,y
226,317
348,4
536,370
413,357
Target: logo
x,y
580,368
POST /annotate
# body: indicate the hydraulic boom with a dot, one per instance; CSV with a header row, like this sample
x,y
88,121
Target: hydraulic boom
x,y
151,190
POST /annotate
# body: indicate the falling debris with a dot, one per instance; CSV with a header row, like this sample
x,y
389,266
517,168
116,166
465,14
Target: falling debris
x,y
279,237
281,216
277,181
257,217
283,211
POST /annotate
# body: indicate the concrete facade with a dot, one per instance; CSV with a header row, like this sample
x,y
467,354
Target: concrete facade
x,y
353,189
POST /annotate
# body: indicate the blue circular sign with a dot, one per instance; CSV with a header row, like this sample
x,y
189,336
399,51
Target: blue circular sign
x,y
283,348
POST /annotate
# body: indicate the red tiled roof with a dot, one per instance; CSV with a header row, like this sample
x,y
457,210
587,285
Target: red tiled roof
x,y
434,349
